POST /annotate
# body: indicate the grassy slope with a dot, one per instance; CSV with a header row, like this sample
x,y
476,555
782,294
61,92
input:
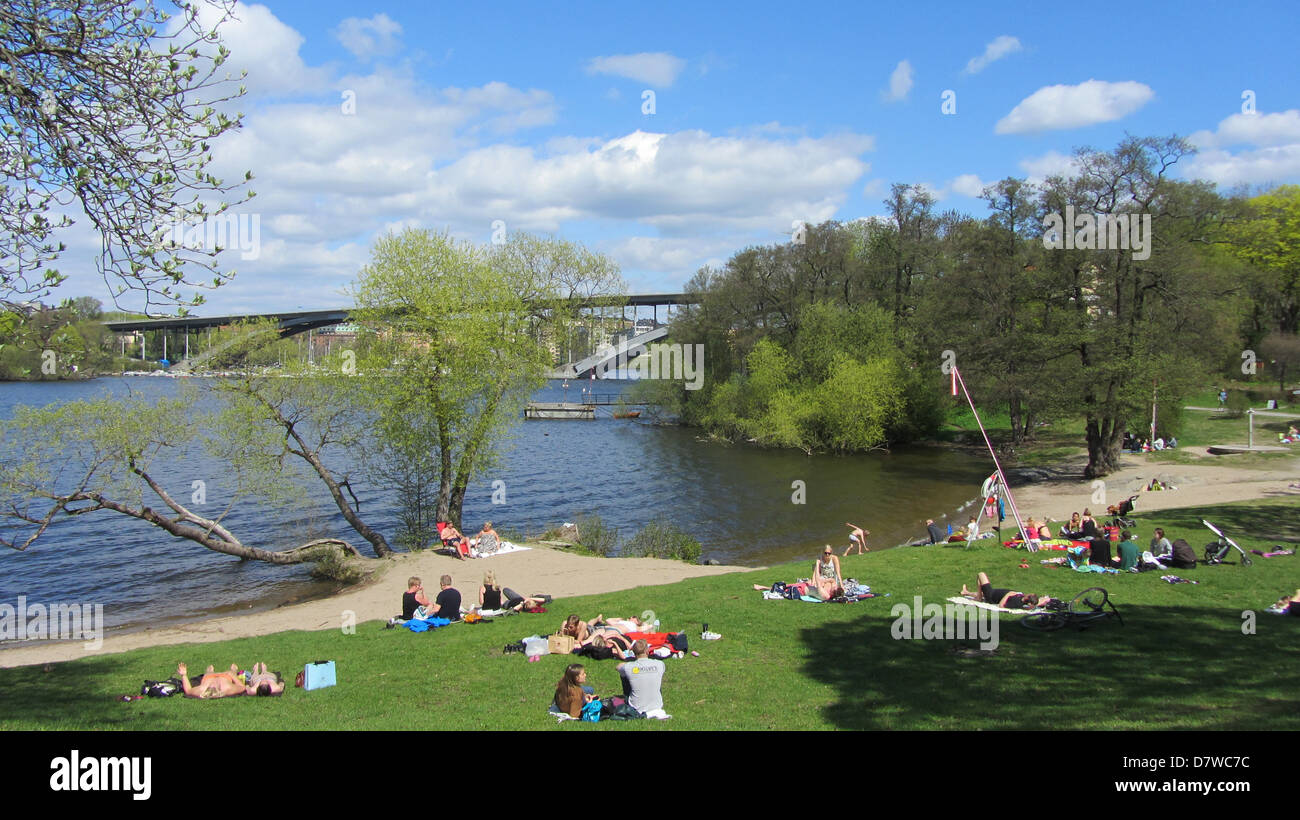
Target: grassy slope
x,y
1182,661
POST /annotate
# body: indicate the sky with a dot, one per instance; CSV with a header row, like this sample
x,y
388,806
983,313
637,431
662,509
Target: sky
x,y
671,135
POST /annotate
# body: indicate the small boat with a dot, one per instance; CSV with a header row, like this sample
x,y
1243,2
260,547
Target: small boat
x,y
630,414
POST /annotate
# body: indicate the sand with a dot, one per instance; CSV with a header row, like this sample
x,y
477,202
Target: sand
x,y
564,575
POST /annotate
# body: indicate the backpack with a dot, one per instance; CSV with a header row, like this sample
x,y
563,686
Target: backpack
x,y
161,689
617,708
677,640
591,711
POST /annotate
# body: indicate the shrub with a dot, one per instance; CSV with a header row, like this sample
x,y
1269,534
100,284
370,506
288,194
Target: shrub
x,y
661,539
596,536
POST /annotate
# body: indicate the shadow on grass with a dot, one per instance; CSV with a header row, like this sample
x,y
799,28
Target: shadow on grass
x,y
1168,668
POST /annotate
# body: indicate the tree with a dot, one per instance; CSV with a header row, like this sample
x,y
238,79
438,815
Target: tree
x,y
1269,239
110,106
458,349
85,457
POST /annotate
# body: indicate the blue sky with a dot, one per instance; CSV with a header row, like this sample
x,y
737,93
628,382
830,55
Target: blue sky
x,y
763,114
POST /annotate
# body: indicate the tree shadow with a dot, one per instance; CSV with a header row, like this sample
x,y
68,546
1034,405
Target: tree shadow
x,y
1166,668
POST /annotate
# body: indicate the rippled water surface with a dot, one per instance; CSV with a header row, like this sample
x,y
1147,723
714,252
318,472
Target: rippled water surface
x,y
737,500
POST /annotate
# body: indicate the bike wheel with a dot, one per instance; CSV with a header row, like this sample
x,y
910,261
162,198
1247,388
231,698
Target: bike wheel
x,y
1044,621
1245,561
1090,601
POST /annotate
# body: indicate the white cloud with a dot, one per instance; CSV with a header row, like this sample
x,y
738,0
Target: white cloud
x,y
681,256
1282,128
967,185
900,83
996,50
1053,163
1274,164
368,38
653,68
1074,106
264,47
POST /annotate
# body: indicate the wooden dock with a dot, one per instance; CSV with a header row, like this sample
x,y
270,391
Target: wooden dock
x,y
559,410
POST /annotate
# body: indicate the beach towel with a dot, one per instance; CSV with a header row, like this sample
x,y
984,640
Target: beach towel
x,y
957,599
427,625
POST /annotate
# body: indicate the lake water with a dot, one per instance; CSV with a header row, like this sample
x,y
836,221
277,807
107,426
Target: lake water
x,y
739,501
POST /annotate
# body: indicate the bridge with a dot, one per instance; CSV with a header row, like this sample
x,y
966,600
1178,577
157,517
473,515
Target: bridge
x,y
292,323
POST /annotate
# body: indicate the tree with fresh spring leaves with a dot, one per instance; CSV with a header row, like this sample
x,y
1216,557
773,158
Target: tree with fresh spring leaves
x,y
109,108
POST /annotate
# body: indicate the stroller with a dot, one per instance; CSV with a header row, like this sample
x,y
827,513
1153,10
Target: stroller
x,y
1118,511
1215,553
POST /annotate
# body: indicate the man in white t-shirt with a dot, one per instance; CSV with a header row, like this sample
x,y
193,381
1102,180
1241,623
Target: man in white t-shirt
x,y
642,679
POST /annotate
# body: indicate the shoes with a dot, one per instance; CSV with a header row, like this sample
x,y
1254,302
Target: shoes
x,y
710,636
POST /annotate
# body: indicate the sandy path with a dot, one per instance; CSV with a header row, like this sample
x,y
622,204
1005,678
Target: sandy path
x,y
1198,485
557,573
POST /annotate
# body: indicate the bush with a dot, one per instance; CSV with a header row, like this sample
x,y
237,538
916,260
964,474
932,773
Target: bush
x,y
333,565
594,535
1237,404
661,539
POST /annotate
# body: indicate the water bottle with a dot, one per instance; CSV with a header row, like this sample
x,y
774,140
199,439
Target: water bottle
x,y
656,624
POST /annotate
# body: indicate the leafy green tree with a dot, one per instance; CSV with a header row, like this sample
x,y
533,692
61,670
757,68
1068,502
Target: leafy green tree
x,y
1268,237
110,106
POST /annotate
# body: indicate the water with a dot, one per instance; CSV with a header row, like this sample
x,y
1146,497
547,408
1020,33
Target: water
x,y
738,500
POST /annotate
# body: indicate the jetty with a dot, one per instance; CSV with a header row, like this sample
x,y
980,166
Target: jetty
x,y
559,410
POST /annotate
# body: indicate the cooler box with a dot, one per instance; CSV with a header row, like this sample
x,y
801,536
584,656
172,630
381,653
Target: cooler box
x,y
318,675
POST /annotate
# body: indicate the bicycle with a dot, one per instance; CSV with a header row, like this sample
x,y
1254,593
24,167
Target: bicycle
x,y
1087,608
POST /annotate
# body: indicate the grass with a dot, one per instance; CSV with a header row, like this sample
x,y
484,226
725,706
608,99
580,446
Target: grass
x,y
1181,662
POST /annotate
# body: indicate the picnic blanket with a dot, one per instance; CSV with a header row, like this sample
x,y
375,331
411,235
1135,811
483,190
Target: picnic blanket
x,y
417,625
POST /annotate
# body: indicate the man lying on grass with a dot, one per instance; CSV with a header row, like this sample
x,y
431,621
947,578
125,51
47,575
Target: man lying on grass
x,y
230,684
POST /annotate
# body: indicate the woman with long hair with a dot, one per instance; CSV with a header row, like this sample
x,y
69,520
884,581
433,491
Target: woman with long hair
x,y
572,693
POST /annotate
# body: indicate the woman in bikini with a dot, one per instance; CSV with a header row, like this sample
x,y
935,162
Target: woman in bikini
x,y
826,574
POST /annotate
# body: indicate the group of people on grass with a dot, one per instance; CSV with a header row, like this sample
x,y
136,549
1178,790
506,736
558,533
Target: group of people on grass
x,y
231,683
492,597
642,678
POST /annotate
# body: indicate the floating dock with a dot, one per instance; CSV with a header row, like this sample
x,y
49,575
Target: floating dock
x,y
559,410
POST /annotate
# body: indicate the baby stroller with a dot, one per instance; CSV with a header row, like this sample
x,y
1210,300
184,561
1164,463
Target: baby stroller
x,y
1215,553
1118,511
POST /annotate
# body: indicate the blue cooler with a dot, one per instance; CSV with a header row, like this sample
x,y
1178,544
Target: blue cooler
x,y
318,675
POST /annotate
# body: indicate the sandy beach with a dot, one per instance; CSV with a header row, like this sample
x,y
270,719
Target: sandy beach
x,y
564,575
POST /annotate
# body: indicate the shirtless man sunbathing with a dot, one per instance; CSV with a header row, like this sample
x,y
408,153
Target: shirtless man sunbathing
x,y
230,684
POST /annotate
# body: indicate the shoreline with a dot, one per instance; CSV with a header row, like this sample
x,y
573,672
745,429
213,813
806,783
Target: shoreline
x,y
563,574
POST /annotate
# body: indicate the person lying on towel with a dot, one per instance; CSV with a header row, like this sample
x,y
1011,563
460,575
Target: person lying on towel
x,y
1005,598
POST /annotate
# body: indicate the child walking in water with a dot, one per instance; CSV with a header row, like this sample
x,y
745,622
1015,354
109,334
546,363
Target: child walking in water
x,y
859,537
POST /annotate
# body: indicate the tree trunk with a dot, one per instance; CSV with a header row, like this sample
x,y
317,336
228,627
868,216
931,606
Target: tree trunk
x,y
1104,438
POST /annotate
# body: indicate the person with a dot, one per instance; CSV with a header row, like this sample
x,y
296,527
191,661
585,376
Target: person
x,y
1072,529
972,529
643,679
936,532
578,629
826,574
490,595
1182,555
857,536
452,537
1223,398
213,684
1005,598
414,603
488,540
265,682
1128,551
572,693
447,604
1289,604
1160,546
1044,532
606,645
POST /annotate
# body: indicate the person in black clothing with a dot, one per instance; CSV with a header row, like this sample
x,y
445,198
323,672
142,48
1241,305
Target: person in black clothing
x,y
937,535
447,604
413,599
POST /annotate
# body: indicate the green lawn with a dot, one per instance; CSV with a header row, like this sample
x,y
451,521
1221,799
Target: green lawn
x,y
1182,660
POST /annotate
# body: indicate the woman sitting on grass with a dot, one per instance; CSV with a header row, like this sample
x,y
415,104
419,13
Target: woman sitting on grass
x,y
1005,598
572,693
826,574
491,593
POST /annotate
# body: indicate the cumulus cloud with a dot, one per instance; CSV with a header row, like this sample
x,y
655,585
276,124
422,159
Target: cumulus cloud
x,y
1074,106
1053,163
659,69
371,37
994,51
1270,150
967,185
900,83
262,46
